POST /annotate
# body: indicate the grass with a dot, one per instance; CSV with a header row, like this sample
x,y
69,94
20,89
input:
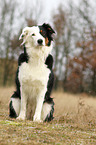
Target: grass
x,y
74,122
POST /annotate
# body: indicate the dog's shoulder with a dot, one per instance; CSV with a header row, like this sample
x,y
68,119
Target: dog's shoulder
x,y
22,58
49,61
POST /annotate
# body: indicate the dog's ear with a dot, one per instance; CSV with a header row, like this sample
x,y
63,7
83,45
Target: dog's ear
x,y
49,31
48,28
24,32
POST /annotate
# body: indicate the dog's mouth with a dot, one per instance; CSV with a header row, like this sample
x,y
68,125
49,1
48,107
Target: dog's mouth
x,y
39,46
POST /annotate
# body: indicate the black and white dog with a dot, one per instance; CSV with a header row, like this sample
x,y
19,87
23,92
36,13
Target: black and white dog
x,y
34,76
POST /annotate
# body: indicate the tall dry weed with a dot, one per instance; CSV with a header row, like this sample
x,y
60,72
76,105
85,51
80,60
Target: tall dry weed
x,y
79,109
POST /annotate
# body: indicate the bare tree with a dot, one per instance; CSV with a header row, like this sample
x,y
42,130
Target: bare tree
x,y
59,21
64,27
11,15
10,10
83,65
33,14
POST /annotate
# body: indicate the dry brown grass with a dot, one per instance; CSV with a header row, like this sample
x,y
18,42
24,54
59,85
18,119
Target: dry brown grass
x,y
74,122
78,107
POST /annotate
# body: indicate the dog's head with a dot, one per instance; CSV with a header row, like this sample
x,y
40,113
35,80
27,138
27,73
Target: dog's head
x,y
37,40
46,31
37,36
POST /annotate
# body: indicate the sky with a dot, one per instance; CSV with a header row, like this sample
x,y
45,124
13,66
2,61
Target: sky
x,y
52,5
48,6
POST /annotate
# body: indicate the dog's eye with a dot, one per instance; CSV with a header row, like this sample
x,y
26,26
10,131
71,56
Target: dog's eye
x,y
33,34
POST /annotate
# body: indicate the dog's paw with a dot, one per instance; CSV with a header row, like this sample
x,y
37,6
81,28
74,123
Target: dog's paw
x,y
37,119
20,118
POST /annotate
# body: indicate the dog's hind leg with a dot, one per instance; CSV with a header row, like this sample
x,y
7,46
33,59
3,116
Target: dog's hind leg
x,y
14,106
47,111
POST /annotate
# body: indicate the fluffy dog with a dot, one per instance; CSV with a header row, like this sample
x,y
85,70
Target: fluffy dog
x,y
34,76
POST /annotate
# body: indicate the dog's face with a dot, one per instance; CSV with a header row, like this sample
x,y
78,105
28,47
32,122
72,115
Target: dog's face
x,y
37,36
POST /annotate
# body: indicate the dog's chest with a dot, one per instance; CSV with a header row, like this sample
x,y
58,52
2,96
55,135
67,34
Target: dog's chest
x,y
33,75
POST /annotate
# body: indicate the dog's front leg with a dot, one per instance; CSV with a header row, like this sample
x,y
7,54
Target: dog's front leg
x,y
22,114
40,99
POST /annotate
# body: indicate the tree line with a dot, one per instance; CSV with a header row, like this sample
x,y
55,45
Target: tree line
x,y
74,47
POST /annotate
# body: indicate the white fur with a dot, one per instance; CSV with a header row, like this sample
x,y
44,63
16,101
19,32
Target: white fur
x,y
45,110
16,105
34,75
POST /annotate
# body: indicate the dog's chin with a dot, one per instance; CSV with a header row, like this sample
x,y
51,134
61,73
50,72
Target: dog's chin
x,y
39,46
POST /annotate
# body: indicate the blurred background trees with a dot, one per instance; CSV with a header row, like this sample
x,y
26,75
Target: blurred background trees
x,y
74,48
12,21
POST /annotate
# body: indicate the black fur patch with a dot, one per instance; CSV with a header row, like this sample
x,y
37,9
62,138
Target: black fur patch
x,y
23,57
49,61
46,31
12,112
49,117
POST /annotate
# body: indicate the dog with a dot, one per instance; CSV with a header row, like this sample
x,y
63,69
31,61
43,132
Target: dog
x,y
34,76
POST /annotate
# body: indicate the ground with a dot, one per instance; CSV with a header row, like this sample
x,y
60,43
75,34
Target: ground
x,y
74,122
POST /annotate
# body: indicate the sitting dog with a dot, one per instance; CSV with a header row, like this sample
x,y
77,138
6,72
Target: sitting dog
x,y
34,76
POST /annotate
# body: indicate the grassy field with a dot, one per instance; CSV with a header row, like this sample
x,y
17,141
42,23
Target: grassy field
x,y
74,122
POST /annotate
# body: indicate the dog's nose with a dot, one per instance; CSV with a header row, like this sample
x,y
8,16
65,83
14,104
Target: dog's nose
x,y
40,41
